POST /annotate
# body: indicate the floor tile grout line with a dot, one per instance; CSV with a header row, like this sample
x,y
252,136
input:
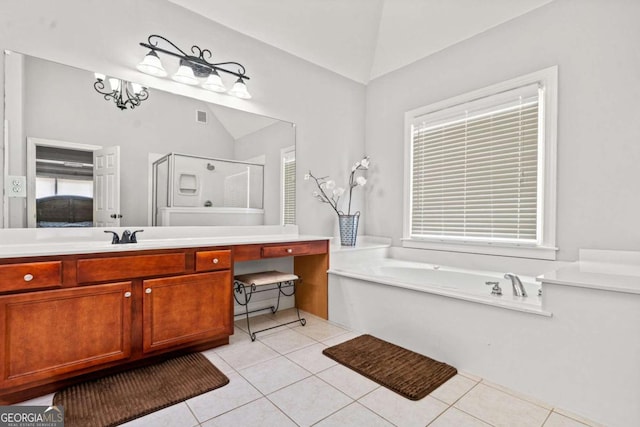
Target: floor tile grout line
x,y
290,351
282,410
515,394
439,415
471,415
278,389
371,409
356,399
452,405
314,375
481,419
458,399
340,409
193,413
573,418
232,409
546,418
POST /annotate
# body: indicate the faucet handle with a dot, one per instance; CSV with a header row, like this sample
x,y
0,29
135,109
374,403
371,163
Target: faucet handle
x,y
133,238
115,239
496,290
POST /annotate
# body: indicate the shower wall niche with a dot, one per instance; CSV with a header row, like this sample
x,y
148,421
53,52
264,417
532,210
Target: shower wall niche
x,y
194,190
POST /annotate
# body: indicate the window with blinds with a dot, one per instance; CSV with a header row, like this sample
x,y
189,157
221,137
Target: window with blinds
x,y
289,188
475,170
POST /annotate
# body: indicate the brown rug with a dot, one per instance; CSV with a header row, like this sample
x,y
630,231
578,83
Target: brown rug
x,y
128,395
409,374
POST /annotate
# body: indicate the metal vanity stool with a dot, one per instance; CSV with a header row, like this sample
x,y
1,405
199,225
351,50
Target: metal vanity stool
x,y
245,285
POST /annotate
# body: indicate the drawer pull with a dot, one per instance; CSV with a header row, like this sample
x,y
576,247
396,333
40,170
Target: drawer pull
x,y
289,251
148,290
127,294
215,260
28,277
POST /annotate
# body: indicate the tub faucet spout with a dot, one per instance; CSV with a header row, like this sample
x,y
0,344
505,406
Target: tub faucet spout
x,y
518,287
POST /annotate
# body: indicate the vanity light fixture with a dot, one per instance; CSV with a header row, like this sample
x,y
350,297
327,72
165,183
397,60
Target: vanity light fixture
x,y
125,94
193,68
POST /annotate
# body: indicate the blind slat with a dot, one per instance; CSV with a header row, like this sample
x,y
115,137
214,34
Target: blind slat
x,y
477,177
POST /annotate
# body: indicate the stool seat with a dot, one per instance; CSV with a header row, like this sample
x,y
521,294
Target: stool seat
x,y
265,278
245,285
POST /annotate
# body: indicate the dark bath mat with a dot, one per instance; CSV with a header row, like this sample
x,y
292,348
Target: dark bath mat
x,y
409,374
122,397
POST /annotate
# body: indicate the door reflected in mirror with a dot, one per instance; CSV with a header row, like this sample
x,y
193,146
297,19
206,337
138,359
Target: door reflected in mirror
x,y
50,106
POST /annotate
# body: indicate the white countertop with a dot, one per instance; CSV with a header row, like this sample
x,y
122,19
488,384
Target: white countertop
x,y
616,271
43,242
362,243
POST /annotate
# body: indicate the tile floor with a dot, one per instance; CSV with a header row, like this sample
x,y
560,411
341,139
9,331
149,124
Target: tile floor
x,y
283,379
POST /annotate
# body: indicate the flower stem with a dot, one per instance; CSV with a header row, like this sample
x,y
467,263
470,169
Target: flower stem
x,y
324,198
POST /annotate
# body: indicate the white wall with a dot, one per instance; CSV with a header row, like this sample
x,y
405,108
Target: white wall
x,y
594,44
328,109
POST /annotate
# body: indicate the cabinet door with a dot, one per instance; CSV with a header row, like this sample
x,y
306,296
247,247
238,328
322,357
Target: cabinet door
x,y
186,309
51,333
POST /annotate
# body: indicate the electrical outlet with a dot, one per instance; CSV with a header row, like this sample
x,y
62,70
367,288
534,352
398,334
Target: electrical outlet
x,y
15,186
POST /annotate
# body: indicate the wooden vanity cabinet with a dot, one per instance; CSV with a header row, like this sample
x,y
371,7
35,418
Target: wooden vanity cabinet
x,y
311,262
108,310
64,318
179,310
49,333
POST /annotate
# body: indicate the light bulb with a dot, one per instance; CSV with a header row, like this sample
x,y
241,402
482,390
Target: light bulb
x,y
239,90
136,88
99,76
151,65
214,83
185,75
115,84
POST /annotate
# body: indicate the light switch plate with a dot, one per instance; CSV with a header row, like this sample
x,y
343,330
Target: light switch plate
x,y
15,186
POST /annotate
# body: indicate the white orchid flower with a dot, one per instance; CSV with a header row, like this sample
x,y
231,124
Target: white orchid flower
x,y
361,180
338,192
365,163
355,166
331,184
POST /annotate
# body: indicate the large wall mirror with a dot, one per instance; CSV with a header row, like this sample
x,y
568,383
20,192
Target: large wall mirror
x,y
177,160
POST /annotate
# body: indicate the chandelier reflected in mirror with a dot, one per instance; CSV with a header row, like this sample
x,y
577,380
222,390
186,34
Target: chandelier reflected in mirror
x,y
125,94
194,68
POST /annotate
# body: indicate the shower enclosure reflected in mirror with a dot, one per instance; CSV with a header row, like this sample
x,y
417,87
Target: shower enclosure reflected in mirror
x,y
192,190
52,110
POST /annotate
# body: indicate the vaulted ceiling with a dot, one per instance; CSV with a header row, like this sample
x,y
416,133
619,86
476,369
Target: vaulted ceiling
x,y
361,39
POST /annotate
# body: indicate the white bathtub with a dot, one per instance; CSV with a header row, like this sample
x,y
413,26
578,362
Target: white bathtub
x,y
469,285
571,360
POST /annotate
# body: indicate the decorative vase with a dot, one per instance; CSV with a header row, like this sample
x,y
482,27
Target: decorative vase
x,y
348,228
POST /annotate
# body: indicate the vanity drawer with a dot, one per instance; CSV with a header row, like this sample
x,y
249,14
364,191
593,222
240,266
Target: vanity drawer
x,y
213,260
32,275
294,249
129,267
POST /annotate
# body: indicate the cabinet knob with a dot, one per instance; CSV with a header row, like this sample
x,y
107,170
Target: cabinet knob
x,y
148,290
215,260
127,294
28,277
289,251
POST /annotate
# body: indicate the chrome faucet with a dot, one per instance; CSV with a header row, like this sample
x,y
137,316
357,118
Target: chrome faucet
x,y
518,287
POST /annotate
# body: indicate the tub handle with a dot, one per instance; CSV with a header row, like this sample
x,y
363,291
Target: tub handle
x,y
496,290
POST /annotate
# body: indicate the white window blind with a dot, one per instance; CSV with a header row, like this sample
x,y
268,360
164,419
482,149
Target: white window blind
x,y
289,190
475,170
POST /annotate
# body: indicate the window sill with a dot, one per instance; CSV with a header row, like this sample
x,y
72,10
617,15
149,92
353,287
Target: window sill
x,y
535,252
